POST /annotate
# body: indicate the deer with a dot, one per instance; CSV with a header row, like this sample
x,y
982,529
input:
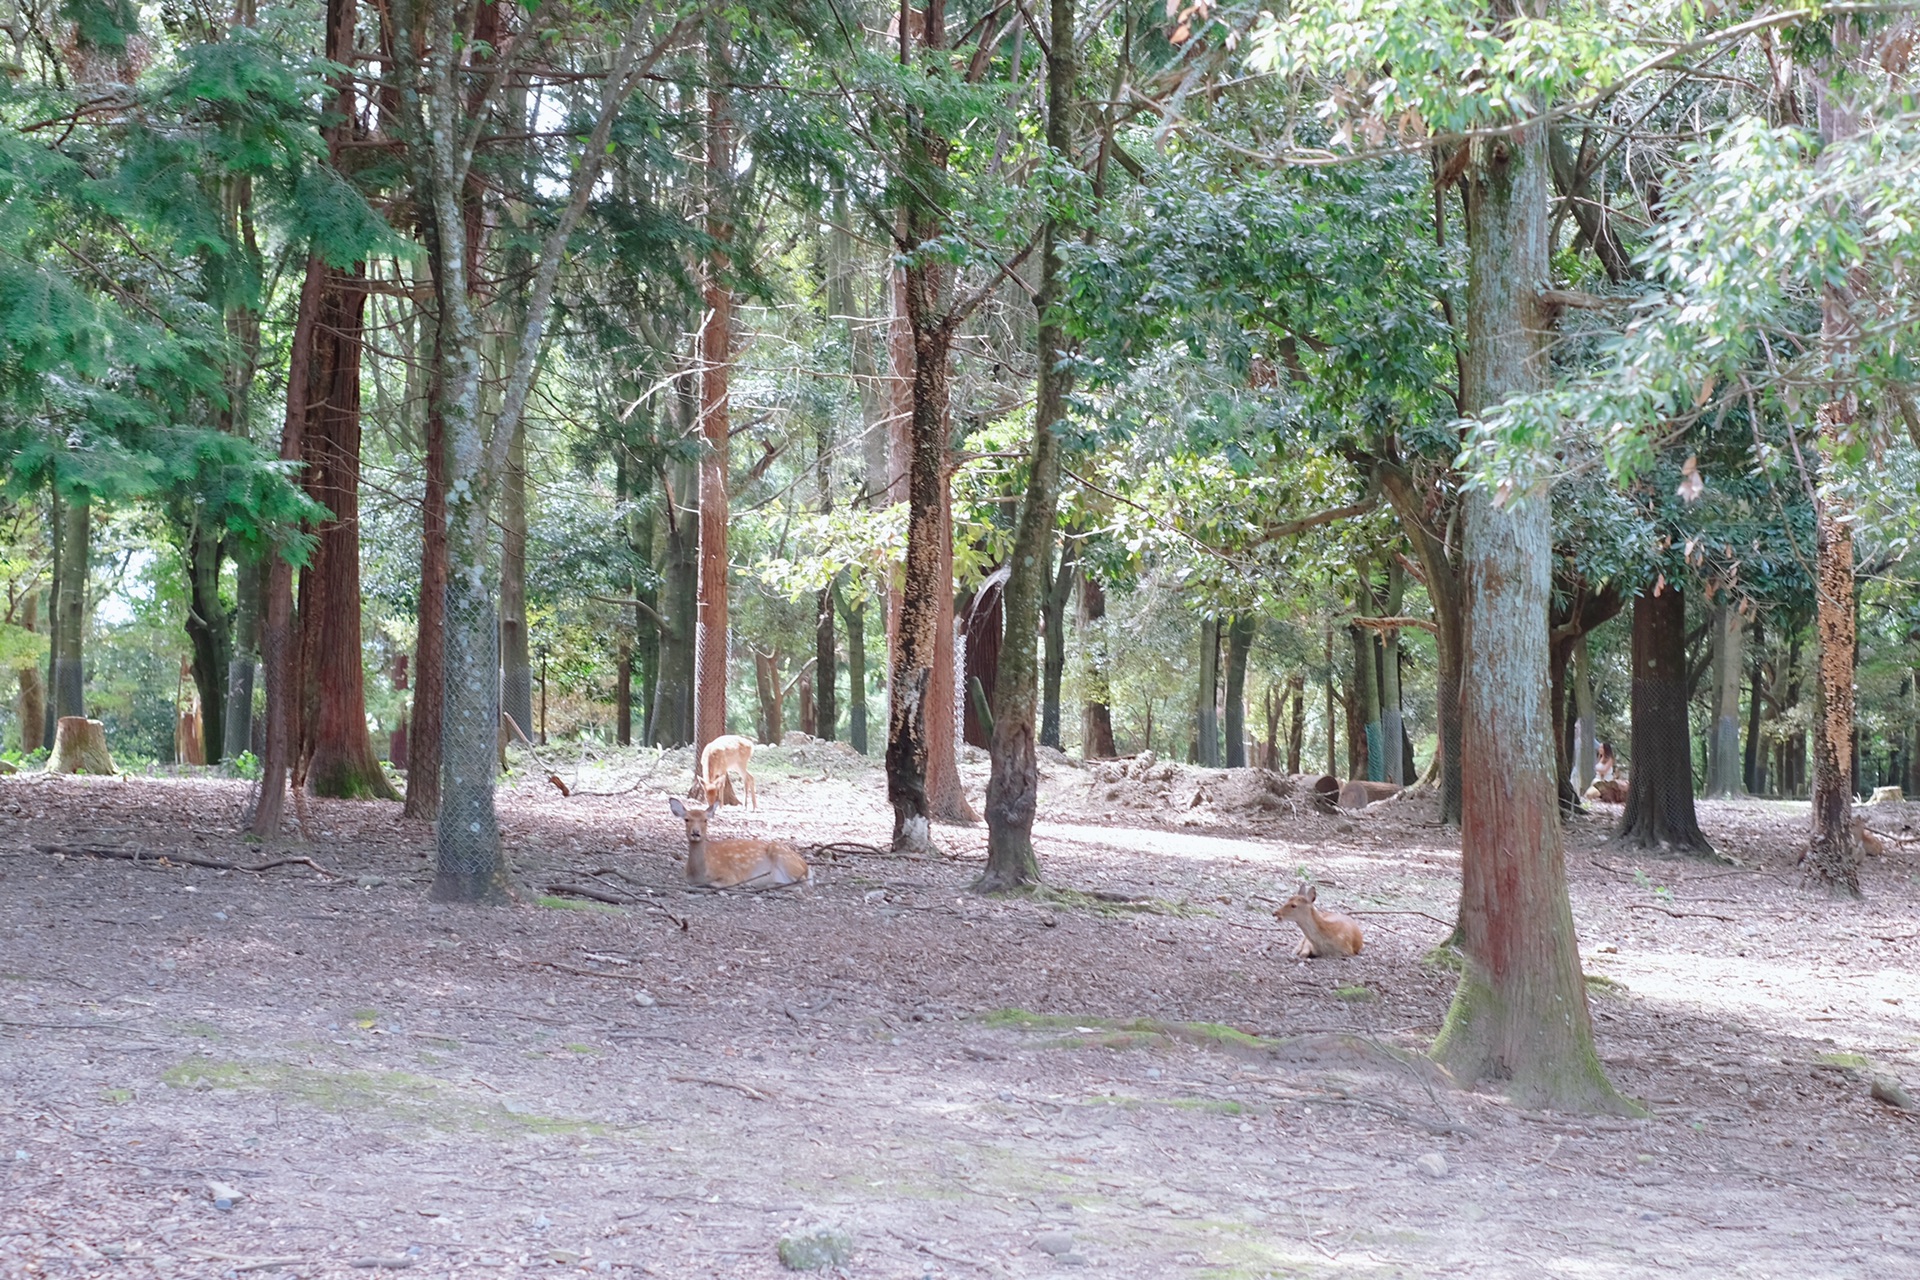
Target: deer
x,y
729,751
1326,934
732,864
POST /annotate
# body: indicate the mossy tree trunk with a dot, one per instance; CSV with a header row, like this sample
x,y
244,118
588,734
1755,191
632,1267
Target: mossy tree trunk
x,y
1519,1015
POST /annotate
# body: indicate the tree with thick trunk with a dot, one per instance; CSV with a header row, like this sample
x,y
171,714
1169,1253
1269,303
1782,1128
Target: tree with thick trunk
x,y
1833,852
516,654
69,646
1206,732
1520,1013
1013,788
1240,633
429,646
671,722
716,359
1659,812
209,634
32,703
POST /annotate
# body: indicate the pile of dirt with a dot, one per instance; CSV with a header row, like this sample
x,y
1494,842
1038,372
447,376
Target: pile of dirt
x,y
1193,796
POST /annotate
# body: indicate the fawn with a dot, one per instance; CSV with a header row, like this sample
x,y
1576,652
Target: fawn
x,y
728,864
1326,934
729,751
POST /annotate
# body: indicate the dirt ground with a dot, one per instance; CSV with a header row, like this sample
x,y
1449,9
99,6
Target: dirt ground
x,y
1075,1085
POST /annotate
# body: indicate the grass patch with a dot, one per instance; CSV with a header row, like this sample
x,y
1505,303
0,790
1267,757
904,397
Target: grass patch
x,y
1599,985
1079,900
364,1018
581,1048
1445,958
553,903
1357,994
1845,1061
116,1097
395,1095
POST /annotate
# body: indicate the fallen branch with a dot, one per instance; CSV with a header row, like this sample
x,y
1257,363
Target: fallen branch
x,y
747,1089
1679,915
188,859
1355,911
589,973
593,894
527,742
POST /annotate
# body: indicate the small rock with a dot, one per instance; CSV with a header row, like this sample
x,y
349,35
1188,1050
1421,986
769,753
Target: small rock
x,y
644,999
513,1108
1890,1091
1058,1244
815,1248
1343,827
565,1257
1073,1260
223,1196
1433,1164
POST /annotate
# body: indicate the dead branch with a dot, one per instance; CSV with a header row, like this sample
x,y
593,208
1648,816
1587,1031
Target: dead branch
x,y
189,859
1679,915
747,1089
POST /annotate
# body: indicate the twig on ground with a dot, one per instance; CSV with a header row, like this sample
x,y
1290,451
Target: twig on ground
x,y
188,859
1679,915
592,893
1354,911
589,973
747,1089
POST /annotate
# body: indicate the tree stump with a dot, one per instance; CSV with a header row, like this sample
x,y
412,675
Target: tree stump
x,y
80,746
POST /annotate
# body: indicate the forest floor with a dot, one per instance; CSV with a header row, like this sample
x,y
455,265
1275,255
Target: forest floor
x,y
1062,1085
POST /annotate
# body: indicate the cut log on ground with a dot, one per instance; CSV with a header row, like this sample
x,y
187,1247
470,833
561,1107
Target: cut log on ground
x,y
1359,793
80,746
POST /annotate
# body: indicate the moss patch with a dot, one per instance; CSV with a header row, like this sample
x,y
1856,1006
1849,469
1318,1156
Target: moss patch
x,y
1445,958
395,1095
1844,1061
1128,1033
1598,985
553,903
1357,994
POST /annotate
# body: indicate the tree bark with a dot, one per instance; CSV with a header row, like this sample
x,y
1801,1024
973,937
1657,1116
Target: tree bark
x,y
716,355
672,719
237,727
1206,739
1054,635
1725,776
209,627
1393,732
1297,729
1520,1013
1833,852
516,656
983,626
1586,732
855,613
69,652
1096,710
1659,812
277,641
32,703
80,746
1013,788
1240,634
425,726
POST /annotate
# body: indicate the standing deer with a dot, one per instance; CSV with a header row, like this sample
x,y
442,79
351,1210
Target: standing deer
x,y
728,864
729,751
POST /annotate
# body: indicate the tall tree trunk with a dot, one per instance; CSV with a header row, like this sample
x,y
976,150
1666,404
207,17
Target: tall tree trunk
x,y
516,656
277,640
716,355
69,654
1755,761
32,704
983,626
1438,557
237,727
946,797
1240,633
1659,811
1724,774
1054,635
425,725
1586,733
1333,748
1206,737
855,613
1833,853
1297,729
342,762
209,636
1520,1013
56,535
1393,734
1096,709
1013,788
672,719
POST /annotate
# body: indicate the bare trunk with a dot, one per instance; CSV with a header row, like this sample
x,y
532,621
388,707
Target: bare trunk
x,y
983,626
69,653
716,355
516,657
1520,1013
855,614
1207,705
1096,710
32,704
237,727
1393,734
1725,777
1297,729
1659,812
1054,634
1240,632
429,645
1586,735
672,719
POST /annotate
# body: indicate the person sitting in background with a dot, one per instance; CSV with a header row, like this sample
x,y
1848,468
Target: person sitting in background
x,y
1604,764
1607,783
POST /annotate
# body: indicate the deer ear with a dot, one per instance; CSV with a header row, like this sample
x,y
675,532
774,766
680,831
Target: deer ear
x,y
1309,893
679,810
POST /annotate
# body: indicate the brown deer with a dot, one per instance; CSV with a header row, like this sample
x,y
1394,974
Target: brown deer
x,y
730,864
1326,934
729,751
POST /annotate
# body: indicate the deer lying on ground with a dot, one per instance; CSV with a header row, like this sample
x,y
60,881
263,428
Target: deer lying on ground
x,y
729,751
1326,934
729,864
